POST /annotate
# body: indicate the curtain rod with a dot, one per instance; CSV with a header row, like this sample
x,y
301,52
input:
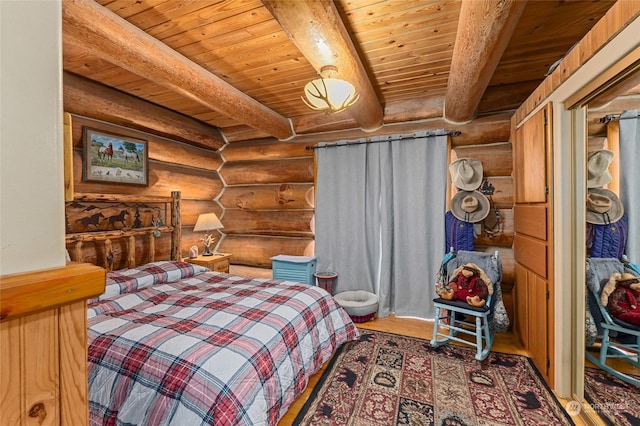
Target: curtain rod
x,y
389,139
614,117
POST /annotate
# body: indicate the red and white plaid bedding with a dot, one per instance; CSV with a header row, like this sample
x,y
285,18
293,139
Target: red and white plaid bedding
x,y
209,349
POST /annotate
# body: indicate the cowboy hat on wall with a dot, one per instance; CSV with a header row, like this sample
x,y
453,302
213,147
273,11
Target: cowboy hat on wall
x,y
598,162
470,206
466,173
603,206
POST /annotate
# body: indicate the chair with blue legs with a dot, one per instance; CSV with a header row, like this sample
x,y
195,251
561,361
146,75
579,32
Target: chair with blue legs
x,y
470,301
619,338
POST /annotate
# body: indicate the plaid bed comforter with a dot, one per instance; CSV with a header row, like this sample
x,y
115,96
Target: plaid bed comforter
x,y
208,349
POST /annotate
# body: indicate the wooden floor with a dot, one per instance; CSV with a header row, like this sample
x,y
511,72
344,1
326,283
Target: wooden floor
x,y
504,342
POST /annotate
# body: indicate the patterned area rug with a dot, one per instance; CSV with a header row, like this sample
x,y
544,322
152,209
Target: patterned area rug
x,y
387,379
615,401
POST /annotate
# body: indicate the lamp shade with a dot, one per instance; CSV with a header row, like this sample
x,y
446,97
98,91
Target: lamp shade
x,y
207,222
329,94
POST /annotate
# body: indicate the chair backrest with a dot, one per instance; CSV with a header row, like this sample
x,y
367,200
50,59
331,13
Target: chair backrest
x,y
599,271
489,262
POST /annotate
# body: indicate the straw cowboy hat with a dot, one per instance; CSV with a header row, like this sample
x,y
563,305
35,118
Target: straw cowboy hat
x,y
470,206
598,168
603,207
466,173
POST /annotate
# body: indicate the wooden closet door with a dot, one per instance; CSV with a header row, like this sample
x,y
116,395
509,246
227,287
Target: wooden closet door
x,y
533,239
530,160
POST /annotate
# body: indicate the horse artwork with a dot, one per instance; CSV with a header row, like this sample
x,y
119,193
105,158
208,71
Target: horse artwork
x,y
114,158
120,217
129,156
83,217
91,222
104,152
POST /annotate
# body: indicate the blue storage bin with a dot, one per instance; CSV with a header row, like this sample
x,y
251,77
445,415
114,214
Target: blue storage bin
x,y
294,268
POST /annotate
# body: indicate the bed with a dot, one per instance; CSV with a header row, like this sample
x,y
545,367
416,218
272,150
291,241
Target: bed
x,y
172,343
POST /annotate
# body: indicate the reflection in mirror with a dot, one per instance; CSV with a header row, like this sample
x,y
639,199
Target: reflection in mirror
x,y
613,147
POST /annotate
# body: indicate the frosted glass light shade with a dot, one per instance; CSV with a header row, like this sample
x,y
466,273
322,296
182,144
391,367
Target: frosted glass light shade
x,y
329,94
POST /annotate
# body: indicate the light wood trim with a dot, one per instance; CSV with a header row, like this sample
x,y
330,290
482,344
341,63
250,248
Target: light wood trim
x,y
550,282
538,314
531,220
90,197
106,235
615,74
484,30
68,157
11,399
131,252
74,389
308,23
28,292
613,144
620,14
531,253
521,305
40,361
176,222
123,44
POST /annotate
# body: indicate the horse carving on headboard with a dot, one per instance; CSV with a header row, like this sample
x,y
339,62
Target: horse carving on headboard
x,y
101,229
91,221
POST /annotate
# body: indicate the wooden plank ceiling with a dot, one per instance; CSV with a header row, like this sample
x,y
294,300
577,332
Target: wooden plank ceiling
x,y
241,65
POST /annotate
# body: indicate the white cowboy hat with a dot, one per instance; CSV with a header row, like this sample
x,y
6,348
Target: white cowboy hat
x,y
598,168
466,173
603,207
470,206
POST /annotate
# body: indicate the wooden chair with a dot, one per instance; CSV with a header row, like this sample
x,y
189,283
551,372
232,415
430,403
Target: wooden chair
x,y
619,339
453,316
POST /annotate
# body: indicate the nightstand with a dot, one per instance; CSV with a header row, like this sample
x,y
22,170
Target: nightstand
x,y
219,262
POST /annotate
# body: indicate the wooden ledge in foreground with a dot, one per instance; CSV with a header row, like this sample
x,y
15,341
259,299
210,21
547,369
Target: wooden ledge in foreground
x,y
28,292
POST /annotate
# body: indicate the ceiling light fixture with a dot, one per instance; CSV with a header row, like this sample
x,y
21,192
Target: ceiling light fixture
x,y
329,94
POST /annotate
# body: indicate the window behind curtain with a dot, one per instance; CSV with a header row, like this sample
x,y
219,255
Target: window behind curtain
x,y
380,219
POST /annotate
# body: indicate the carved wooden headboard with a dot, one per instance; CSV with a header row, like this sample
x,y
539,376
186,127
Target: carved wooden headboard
x,y
122,231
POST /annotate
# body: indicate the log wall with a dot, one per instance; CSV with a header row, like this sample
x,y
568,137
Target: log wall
x,y
173,165
263,189
497,165
267,201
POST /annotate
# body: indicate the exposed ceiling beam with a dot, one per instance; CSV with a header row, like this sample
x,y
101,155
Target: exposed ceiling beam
x,y
112,38
316,28
82,96
484,30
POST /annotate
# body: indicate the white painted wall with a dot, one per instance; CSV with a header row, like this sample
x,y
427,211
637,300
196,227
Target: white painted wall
x,y
32,224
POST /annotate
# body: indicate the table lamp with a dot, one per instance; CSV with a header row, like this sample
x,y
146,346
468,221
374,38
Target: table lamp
x,y
207,222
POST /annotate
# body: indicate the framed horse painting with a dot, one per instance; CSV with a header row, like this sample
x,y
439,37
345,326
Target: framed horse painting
x,y
114,158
